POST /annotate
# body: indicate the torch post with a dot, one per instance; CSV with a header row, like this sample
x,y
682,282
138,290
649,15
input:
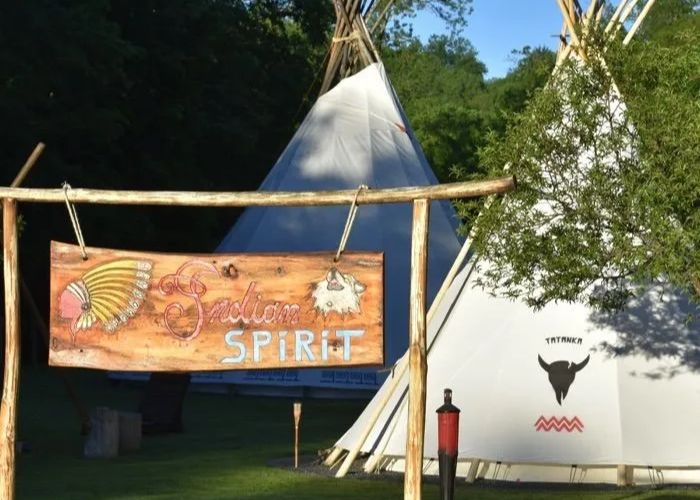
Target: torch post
x,y
297,419
448,439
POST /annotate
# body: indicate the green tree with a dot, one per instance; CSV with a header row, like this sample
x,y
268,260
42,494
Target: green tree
x,y
436,83
609,189
453,12
154,94
511,93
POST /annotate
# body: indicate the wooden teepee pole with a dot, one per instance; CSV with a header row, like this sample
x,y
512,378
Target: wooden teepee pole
x,y
625,14
615,16
638,22
572,30
334,59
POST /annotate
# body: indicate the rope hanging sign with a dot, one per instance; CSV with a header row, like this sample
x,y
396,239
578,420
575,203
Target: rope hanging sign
x,y
73,214
348,223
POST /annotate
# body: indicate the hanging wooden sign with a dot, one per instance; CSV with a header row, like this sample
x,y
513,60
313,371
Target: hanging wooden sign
x,y
136,311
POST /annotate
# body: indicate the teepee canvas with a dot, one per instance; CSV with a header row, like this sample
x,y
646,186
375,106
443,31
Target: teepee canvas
x,y
355,134
564,393
563,386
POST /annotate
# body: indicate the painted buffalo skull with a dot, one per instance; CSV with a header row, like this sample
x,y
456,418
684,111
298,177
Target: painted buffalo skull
x,y
562,374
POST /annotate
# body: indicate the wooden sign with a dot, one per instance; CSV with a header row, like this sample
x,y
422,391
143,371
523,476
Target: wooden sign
x,y
121,310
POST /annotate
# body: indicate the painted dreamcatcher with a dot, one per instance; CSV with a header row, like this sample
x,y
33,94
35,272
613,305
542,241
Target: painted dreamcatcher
x,y
110,293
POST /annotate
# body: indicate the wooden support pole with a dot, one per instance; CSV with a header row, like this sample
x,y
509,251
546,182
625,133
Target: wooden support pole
x,y
629,7
572,29
638,22
31,161
418,366
572,11
472,189
8,405
599,15
616,15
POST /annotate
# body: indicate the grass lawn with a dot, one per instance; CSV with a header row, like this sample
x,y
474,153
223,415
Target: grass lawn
x,y
223,452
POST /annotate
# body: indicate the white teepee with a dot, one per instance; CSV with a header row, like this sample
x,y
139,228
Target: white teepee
x,y
626,405
560,394
356,133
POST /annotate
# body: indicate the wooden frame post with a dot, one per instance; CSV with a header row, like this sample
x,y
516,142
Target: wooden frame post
x,y
8,406
418,366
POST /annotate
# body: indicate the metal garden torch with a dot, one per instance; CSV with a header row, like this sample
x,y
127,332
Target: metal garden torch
x,y
448,437
297,418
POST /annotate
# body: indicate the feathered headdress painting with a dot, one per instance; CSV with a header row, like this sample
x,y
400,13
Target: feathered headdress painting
x,y
110,293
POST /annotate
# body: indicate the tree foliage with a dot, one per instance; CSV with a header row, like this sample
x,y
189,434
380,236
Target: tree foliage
x,y
451,106
608,181
453,12
177,94
436,83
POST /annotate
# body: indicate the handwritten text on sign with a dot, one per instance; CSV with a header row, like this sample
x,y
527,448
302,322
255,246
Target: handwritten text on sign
x,y
122,310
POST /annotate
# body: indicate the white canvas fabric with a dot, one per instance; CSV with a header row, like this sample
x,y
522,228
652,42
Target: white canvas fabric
x,y
355,134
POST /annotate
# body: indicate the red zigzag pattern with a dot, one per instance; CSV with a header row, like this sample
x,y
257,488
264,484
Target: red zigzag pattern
x,y
558,424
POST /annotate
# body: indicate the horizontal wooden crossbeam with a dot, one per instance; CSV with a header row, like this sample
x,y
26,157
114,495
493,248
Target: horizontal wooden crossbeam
x,y
262,198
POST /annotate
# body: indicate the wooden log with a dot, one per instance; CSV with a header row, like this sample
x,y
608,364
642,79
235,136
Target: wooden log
x,y
472,189
418,366
129,431
103,440
10,388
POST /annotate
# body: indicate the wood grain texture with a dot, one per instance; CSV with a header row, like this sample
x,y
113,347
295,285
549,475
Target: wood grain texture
x,y
418,366
10,389
215,312
263,198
